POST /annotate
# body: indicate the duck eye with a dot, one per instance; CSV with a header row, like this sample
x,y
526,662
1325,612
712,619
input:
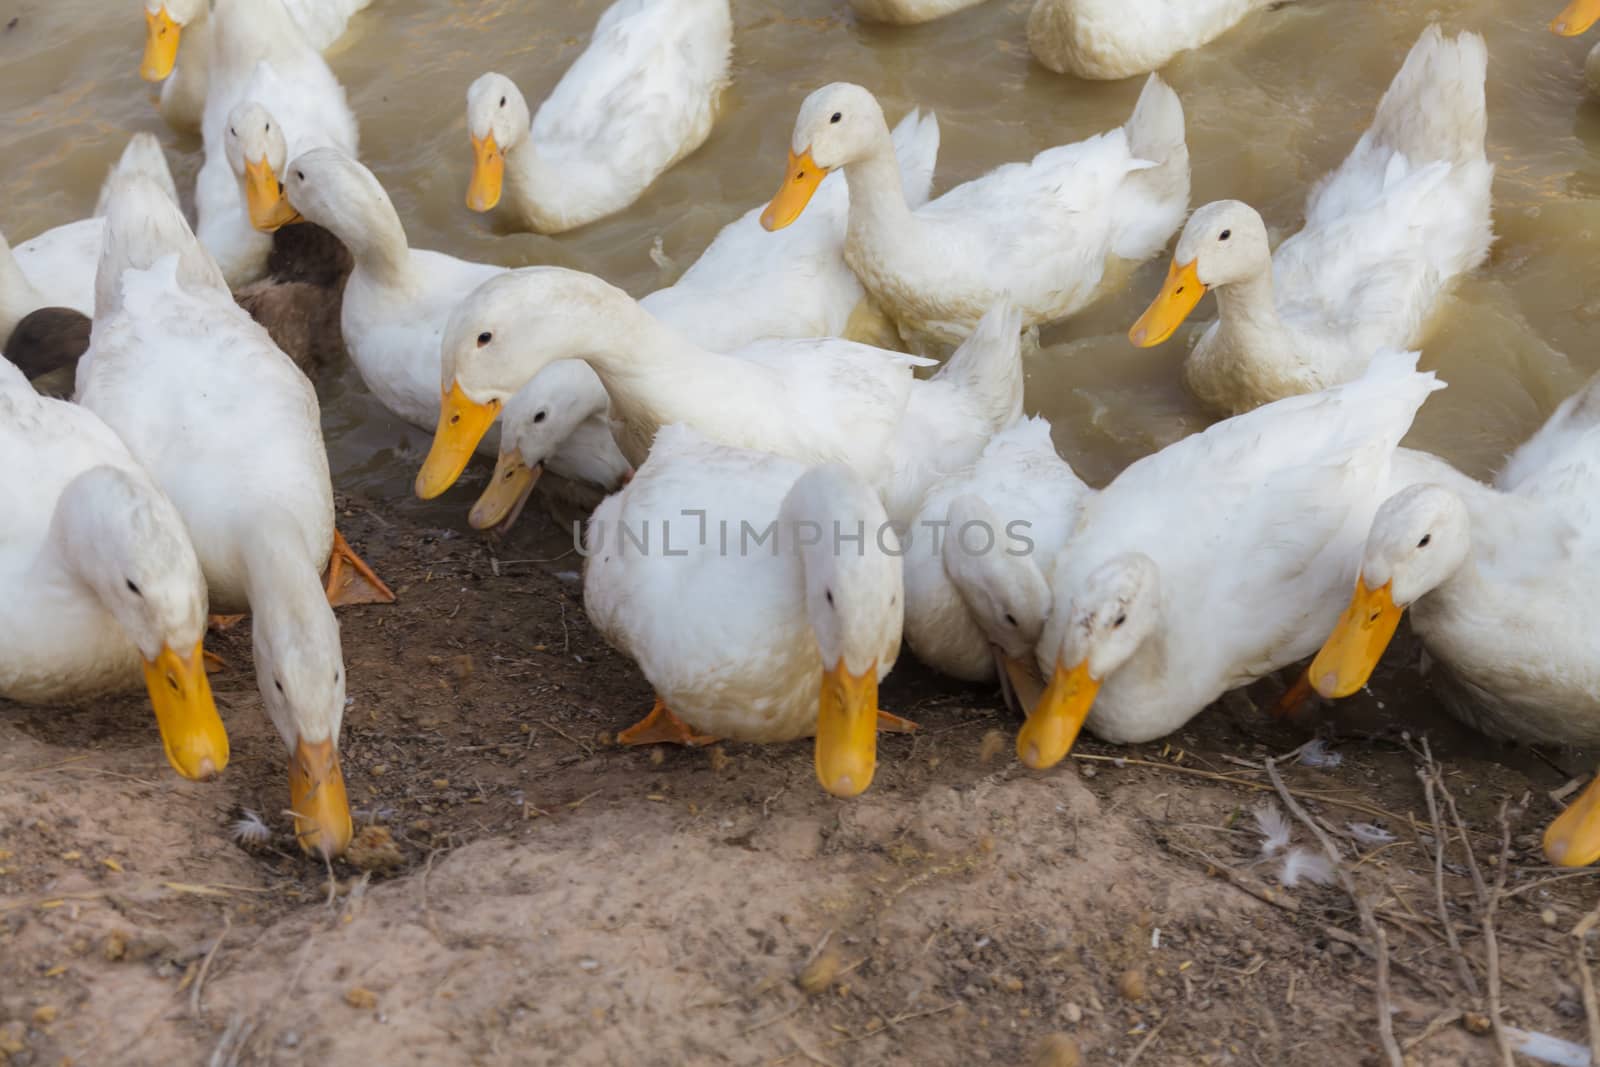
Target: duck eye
x,y
1425,539
134,589
502,101
300,174
484,338
1120,620
277,685
1011,619
269,127
232,132
836,116
1225,235
829,594
538,416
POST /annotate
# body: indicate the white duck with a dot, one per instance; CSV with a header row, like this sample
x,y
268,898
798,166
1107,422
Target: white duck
x,y
909,12
397,298
169,23
1213,562
1503,586
1385,236
100,577
260,57
755,642
246,467
748,285
976,603
56,268
1121,38
1042,231
819,400
642,96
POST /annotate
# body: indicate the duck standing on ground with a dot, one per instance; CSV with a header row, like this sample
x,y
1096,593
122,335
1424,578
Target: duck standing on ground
x,y
1503,586
1386,235
976,605
100,577
203,398
1210,563
789,638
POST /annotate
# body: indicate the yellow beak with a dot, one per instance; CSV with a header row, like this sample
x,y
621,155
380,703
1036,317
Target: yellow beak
x,y
508,491
847,730
488,174
799,183
1179,295
1576,17
191,731
462,424
317,798
1573,840
1357,642
270,210
160,45
1053,725
1019,681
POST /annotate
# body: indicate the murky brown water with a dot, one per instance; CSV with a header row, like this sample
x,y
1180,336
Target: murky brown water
x,y
1271,106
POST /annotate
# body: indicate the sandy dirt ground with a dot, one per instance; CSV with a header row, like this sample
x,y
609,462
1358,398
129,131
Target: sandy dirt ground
x,y
525,891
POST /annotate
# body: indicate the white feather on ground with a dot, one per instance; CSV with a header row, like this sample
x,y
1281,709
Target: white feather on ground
x,y
1368,834
1317,754
250,829
1303,865
1274,828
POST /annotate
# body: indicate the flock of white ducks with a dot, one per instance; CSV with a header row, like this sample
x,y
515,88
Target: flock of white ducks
x,y
766,394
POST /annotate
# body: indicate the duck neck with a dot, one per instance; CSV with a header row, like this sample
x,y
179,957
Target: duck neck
x,y
1249,311
653,375
534,184
281,573
376,240
878,208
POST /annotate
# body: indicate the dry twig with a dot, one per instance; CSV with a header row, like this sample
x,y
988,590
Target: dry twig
x,y
1369,921
1491,945
1429,773
1149,1039
1591,1009
205,967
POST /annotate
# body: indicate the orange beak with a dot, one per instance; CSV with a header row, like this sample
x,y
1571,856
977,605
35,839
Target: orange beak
x,y
508,490
270,210
191,730
1576,17
160,45
1179,295
1356,645
462,424
1055,721
317,797
799,184
488,174
847,730
1573,840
